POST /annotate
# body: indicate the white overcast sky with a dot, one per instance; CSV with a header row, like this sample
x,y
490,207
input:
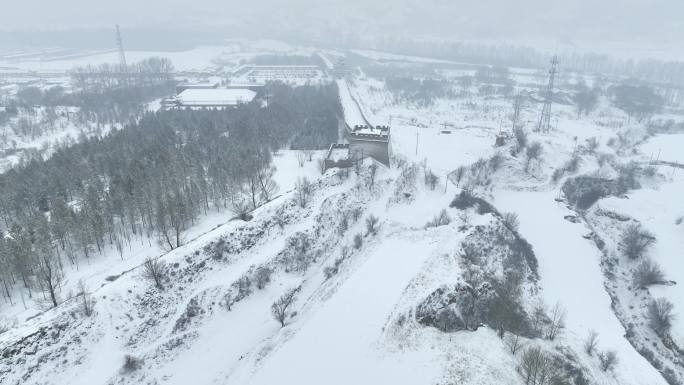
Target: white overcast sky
x,y
625,20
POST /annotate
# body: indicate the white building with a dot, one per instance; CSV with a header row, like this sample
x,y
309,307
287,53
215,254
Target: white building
x,y
215,98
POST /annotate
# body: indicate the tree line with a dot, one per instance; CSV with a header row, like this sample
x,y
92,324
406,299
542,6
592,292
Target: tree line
x,y
150,180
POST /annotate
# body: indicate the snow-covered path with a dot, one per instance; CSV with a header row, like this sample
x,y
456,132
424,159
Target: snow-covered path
x,y
571,274
352,113
336,345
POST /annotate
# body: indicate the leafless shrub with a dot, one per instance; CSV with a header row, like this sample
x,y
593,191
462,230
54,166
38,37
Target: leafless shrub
x,y
573,164
6,325
280,308
592,145
321,166
279,217
244,287
155,270
329,271
471,254
635,241
510,220
679,221
442,219
372,225
591,342
608,360
661,316
228,300
131,363
301,252
495,162
262,277
533,152
431,179
372,172
520,139
241,206
356,214
648,273
343,226
650,171
358,241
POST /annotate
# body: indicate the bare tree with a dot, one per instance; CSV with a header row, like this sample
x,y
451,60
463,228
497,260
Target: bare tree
x,y
557,322
301,157
280,308
309,155
372,171
49,277
661,316
514,343
591,342
458,174
268,186
87,301
155,270
635,241
538,367
303,191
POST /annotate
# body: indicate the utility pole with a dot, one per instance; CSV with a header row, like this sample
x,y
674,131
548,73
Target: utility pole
x,y
545,118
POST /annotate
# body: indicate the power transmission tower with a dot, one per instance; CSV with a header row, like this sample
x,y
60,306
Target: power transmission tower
x,y
122,54
545,119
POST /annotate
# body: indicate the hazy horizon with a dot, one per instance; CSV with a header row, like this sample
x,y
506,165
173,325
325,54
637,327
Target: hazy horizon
x,y
633,22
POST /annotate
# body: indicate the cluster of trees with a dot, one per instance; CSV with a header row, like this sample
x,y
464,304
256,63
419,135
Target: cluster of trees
x,y
422,92
651,70
154,70
149,180
638,101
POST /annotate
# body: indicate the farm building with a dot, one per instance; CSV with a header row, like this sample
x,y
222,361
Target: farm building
x,y
216,98
195,86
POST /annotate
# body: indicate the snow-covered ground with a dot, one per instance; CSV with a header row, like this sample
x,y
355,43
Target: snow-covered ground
x,y
660,210
358,324
569,266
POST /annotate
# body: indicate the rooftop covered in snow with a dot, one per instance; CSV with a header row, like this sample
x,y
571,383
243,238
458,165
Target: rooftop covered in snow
x,y
218,97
